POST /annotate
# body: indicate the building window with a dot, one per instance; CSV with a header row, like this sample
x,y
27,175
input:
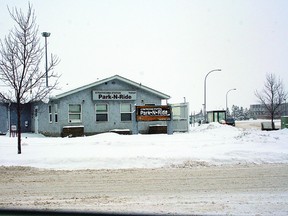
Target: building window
x,y
75,113
56,113
126,112
101,112
50,113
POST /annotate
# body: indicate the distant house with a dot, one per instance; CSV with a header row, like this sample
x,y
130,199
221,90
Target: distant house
x,y
105,105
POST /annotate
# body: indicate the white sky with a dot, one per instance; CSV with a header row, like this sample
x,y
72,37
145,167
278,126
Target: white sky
x,y
168,45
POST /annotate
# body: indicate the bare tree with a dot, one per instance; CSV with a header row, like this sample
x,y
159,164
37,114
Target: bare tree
x,y
20,57
272,95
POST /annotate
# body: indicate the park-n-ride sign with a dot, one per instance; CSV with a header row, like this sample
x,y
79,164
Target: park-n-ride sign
x,y
114,95
153,113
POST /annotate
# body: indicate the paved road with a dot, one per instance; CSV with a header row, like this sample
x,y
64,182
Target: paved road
x,y
251,189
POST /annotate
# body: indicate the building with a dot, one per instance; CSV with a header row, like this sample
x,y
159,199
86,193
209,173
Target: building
x,y
259,111
105,105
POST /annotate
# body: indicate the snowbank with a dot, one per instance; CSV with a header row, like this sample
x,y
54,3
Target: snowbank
x,y
209,144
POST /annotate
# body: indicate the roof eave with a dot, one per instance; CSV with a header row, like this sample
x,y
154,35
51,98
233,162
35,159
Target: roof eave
x,y
138,85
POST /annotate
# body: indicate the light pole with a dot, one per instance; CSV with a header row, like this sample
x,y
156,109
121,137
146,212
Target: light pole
x,y
46,35
204,105
285,108
227,98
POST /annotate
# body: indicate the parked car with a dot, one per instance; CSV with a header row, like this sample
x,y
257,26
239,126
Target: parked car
x,y
230,121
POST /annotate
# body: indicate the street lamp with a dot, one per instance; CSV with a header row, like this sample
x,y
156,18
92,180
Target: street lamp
x,y
46,35
205,114
227,98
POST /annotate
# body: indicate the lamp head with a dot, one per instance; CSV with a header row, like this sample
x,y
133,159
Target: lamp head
x,y
46,34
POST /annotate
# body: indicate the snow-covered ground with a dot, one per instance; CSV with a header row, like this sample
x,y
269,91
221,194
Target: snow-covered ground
x,y
209,144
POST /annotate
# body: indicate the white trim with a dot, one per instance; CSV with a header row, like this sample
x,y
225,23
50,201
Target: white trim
x,y
50,114
56,109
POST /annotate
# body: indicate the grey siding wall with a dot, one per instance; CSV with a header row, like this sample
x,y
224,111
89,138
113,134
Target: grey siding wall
x,y
41,117
88,110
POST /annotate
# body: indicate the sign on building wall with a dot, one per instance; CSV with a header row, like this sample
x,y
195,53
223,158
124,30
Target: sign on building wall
x,y
153,113
114,95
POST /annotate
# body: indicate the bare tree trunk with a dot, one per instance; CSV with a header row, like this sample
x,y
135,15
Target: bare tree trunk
x,y
272,122
19,126
272,112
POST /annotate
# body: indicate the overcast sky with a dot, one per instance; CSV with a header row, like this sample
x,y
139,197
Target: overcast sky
x,y
168,45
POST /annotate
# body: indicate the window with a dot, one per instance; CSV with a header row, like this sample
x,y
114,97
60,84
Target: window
x,y
50,113
101,112
75,113
126,112
56,113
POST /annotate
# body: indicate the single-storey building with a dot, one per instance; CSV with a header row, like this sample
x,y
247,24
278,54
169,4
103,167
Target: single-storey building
x,y
111,104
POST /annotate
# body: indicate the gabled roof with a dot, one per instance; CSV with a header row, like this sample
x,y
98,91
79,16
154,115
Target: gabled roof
x,y
138,85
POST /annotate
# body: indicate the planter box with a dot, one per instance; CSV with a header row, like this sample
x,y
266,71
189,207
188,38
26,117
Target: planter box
x,y
72,131
157,129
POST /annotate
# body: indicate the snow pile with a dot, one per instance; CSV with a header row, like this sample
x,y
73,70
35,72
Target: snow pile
x,y
206,145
